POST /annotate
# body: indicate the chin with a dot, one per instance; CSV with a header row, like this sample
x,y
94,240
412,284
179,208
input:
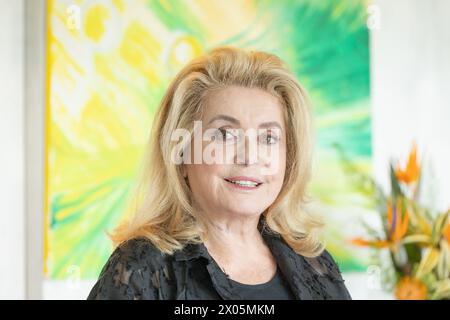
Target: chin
x,y
247,211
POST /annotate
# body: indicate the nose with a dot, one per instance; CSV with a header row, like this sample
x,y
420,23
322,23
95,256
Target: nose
x,y
248,149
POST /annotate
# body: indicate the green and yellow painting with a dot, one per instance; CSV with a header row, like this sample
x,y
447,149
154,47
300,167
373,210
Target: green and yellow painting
x,y
108,65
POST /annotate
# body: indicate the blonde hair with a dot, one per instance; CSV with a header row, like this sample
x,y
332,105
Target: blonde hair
x,y
163,212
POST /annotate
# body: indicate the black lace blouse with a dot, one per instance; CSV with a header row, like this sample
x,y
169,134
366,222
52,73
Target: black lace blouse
x,y
138,270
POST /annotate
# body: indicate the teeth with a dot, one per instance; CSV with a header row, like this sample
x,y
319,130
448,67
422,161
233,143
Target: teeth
x,y
245,183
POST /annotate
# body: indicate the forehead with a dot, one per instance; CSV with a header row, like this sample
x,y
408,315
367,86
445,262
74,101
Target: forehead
x,y
248,105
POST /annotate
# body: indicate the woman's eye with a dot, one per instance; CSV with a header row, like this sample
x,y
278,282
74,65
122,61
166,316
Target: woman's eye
x,y
269,139
224,135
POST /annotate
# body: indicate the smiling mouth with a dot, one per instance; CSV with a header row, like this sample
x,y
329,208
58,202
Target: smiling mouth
x,y
244,184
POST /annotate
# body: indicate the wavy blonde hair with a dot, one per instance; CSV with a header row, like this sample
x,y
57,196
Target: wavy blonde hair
x,y
162,207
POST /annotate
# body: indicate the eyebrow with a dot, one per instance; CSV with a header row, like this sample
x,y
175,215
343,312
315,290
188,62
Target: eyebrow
x,y
237,122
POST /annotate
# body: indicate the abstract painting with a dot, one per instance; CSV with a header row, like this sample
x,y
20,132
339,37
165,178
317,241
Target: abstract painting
x,y
108,65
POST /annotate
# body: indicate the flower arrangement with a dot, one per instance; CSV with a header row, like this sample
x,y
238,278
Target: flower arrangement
x,y
415,240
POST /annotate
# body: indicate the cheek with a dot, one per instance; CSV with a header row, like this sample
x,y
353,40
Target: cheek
x,y
273,162
277,171
276,181
204,178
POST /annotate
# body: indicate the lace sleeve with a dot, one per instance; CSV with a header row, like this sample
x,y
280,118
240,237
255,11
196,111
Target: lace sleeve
x,y
125,276
329,277
325,265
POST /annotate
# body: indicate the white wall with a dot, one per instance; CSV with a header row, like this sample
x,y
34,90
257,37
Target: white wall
x,y
410,62
410,84
12,174
35,40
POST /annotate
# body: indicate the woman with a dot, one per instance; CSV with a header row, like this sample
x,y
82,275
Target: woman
x,y
231,224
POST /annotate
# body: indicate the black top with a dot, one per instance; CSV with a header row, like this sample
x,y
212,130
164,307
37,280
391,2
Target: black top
x,y
275,289
138,270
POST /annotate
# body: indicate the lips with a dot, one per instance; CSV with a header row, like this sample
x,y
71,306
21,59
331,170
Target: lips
x,y
243,182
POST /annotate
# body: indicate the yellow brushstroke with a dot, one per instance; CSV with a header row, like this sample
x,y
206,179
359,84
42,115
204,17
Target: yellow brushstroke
x,y
222,20
94,24
46,138
102,67
119,5
142,51
183,50
59,52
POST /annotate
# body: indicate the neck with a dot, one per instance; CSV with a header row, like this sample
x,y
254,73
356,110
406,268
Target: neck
x,y
238,234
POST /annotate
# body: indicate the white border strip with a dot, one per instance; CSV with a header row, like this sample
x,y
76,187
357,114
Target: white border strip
x,y
35,37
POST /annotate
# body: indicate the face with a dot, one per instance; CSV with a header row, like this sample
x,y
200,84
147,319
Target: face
x,y
247,126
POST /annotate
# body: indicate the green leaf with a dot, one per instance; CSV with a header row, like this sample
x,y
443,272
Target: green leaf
x,y
395,186
441,290
443,266
416,238
438,227
428,262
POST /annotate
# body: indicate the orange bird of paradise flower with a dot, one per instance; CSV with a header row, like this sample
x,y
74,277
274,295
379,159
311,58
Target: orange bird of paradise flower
x,y
446,232
410,289
397,226
411,173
